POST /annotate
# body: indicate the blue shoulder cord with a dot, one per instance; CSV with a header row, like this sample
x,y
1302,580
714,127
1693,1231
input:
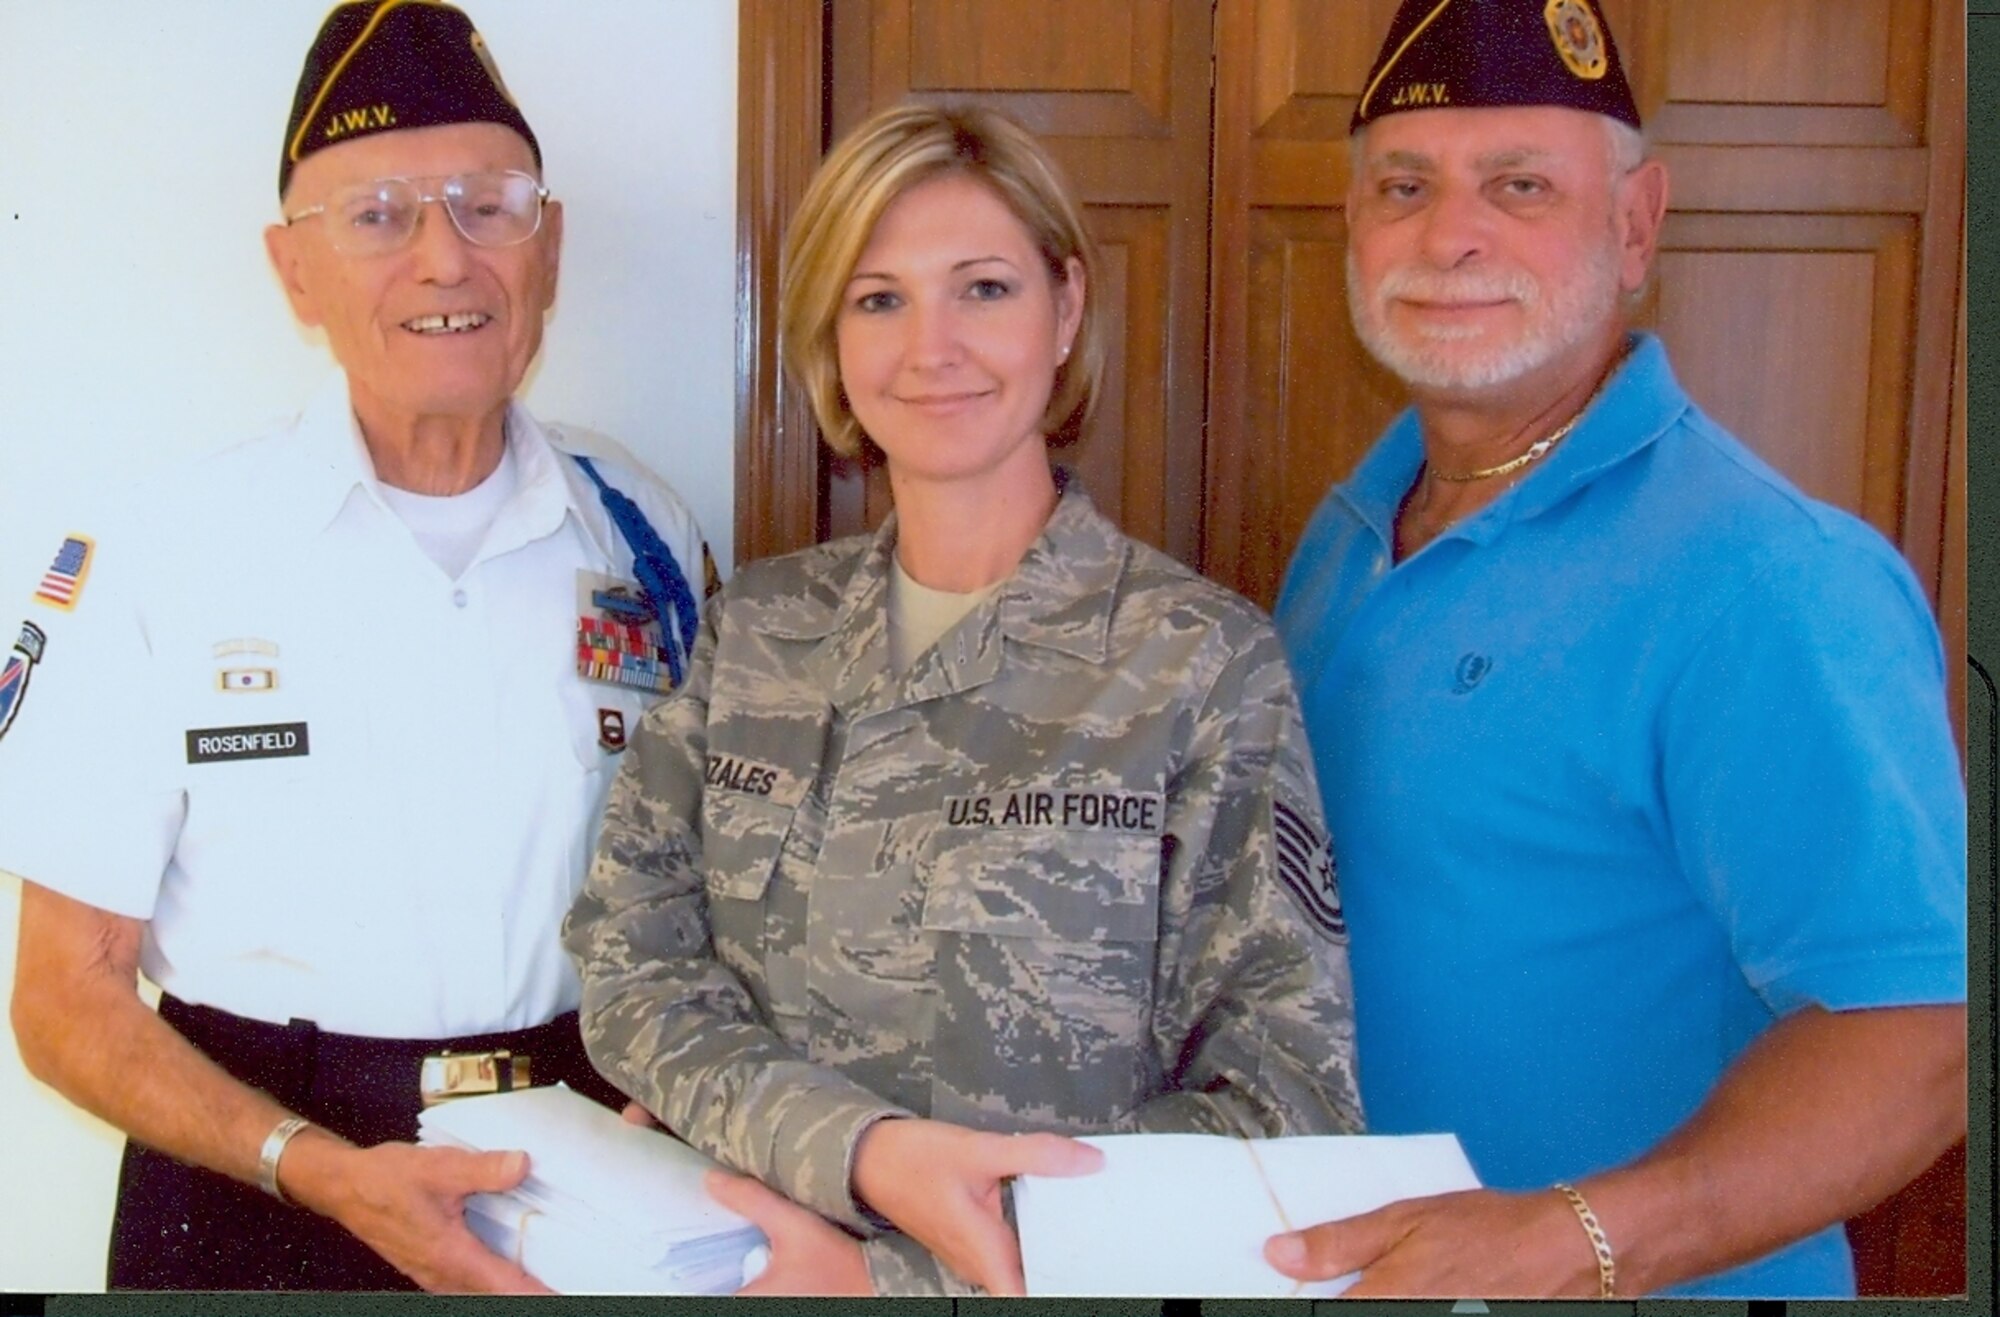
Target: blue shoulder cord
x,y
659,575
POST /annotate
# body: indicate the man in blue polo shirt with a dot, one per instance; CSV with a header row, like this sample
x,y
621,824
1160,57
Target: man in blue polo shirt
x,y
1650,825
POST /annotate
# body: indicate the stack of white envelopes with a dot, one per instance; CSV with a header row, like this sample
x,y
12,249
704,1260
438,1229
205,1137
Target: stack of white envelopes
x,y
1187,1214
607,1207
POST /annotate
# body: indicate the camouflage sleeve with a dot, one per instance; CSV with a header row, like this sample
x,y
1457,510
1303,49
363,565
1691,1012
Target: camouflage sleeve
x,y
1254,1014
899,1266
662,1017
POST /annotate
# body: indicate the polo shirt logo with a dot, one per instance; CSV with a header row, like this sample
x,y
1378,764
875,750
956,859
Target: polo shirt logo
x,y
1472,669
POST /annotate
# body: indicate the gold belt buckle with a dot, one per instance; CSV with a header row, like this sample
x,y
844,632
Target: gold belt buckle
x,y
451,1075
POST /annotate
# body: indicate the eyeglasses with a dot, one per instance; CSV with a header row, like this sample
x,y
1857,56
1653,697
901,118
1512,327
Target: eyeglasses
x,y
494,209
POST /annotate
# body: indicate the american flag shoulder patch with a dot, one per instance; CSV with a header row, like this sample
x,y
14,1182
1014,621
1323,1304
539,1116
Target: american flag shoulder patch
x,y
1305,867
62,583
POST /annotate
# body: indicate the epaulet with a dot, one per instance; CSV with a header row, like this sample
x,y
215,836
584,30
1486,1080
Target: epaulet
x,y
625,471
579,441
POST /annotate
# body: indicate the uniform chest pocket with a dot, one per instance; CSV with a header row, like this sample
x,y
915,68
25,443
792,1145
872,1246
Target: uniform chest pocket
x,y
277,782
743,839
1044,944
743,836
1048,883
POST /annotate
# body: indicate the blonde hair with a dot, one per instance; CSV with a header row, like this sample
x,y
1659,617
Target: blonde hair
x,y
886,156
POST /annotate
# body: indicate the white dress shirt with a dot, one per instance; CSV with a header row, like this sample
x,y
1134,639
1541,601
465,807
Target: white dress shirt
x,y
394,854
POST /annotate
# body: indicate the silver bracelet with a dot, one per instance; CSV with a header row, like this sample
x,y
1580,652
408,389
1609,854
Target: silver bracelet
x,y
274,1148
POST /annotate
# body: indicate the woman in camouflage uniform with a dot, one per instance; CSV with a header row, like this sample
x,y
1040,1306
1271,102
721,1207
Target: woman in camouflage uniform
x,y
995,822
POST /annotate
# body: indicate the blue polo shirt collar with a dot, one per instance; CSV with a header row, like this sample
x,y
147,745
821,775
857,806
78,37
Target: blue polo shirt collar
x,y
1640,401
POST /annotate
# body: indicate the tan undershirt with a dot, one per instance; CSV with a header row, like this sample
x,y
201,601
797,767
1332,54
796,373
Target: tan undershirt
x,y
919,616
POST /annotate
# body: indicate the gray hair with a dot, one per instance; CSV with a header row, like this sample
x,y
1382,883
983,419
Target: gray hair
x,y
1628,147
1627,144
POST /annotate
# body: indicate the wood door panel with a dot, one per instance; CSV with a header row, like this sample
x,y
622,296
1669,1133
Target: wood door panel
x,y
1123,455
1769,179
779,497
1790,72
1299,172
1042,46
1311,391
1062,67
1053,115
1782,52
1777,125
1799,400
1818,388
1120,171
1311,64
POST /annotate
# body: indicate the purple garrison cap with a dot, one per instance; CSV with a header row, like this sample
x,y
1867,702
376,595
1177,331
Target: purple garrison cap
x,y
379,65
1482,53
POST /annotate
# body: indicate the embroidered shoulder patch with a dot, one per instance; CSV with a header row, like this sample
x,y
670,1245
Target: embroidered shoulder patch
x,y
20,666
1305,867
62,583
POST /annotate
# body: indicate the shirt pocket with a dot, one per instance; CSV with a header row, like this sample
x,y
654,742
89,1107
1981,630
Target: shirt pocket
x,y
284,795
744,836
1045,944
1056,884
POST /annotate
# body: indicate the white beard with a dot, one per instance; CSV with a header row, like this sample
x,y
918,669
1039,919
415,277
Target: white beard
x,y
1448,357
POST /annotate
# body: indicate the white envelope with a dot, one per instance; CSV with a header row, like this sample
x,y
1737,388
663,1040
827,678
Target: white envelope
x,y
1186,1215
636,1190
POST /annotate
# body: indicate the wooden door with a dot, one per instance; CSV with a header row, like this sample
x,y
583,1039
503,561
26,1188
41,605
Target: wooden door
x,y
1119,92
1807,287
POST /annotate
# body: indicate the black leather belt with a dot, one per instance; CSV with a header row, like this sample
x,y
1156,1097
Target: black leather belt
x,y
368,1089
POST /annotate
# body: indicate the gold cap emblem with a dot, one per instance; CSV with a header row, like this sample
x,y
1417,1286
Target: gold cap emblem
x,y
1578,38
492,70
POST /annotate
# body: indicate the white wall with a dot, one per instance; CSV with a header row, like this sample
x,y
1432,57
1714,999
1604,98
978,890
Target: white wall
x,y
139,325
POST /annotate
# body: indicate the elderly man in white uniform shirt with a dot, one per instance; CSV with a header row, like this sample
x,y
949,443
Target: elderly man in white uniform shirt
x,y
317,732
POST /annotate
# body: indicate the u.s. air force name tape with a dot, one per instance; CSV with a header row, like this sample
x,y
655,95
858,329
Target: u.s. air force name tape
x,y
215,745
1081,810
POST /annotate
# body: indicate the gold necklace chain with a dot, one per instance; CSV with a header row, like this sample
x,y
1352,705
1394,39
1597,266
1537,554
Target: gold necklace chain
x,y
1535,451
1538,449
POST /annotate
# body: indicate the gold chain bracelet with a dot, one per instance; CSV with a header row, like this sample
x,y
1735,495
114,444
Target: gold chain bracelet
x,y
1607,1265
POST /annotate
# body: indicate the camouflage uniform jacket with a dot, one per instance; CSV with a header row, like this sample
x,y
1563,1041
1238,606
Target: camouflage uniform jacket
x,y
1066,873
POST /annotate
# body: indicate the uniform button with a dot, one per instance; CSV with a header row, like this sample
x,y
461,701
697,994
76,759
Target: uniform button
x,y
458,598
